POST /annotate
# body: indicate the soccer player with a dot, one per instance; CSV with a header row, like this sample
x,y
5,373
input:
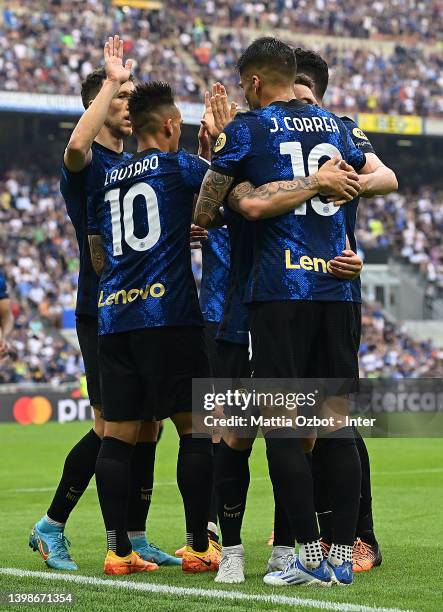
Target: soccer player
x,y
233,348
381,180
151,341
96,144
292,293
6,318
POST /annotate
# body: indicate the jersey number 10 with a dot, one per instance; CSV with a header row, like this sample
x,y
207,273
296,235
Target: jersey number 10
x,y
324,149
112,197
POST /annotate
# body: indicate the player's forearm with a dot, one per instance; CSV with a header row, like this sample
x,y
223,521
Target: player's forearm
x,y
97,253
213,192
78,150
272,199
380,182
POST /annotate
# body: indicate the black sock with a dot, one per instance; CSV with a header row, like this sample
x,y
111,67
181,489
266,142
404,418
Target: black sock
x,y
232,482
78,470
321,495
292,482
141,483
213,508
283,535
365,524
195,480
341,465
112,474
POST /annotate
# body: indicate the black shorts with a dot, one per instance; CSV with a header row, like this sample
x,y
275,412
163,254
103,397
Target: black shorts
x,y
87,332
305,339
226,359
146,374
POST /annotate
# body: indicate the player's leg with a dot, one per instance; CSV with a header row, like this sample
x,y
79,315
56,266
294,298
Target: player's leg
x,y
140,495
336,449
279,330
47,535
232,471
367,553
183,350
123,396
195,479
282,538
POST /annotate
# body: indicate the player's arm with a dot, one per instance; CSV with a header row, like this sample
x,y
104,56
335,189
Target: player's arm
x,y
347,266
6,325
213,192
97,253
78,152
280,197
376,178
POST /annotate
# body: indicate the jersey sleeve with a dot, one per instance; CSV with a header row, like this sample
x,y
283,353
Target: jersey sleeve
x,y
358,137
3,289
73,187
354,156
193,169
232,147
93,223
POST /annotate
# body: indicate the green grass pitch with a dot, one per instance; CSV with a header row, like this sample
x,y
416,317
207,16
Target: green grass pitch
x,y
408,499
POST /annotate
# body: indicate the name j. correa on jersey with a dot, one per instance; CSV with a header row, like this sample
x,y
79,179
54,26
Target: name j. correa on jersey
x,y
304,124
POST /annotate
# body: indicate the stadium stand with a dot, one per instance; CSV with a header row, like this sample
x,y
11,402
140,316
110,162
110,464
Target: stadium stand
x,y
50,48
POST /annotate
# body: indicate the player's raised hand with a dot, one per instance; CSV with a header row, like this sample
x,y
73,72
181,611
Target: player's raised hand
x,y
346,266
204,143
338,181
222,110
113,55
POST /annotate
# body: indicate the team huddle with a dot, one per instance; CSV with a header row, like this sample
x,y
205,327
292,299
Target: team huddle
x,y
271,199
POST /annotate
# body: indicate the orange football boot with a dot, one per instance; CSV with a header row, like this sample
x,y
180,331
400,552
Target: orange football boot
x,y
365,556
131,564
195,562
325,548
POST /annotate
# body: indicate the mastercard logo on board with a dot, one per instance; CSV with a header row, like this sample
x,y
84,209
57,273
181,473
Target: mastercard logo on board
x,y
32,410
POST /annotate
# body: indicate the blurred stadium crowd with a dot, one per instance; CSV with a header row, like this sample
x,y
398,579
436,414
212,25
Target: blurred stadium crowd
x,y
50,46
40,260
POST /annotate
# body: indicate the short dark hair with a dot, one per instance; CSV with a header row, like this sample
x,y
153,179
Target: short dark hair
x,y
146,101
304,79
312,64
92,85
270,54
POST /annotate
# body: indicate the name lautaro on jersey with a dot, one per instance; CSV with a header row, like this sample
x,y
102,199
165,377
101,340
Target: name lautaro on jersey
x,y
131,170
304,124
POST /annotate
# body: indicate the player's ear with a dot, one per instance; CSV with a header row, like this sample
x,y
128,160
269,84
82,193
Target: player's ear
x,y
169,128
255,82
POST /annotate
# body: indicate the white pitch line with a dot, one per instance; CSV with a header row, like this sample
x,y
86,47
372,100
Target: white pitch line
x,y
173,483
193,592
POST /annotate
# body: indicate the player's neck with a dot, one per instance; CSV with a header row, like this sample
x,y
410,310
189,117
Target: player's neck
x,y
276,94
152,141
107,139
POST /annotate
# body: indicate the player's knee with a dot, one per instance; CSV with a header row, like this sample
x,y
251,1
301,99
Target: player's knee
x,y
126,431
99,423
149,432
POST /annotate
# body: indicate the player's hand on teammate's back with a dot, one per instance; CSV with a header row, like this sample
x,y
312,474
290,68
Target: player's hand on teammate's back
x,y
346,266
113,55
197,235
338,181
